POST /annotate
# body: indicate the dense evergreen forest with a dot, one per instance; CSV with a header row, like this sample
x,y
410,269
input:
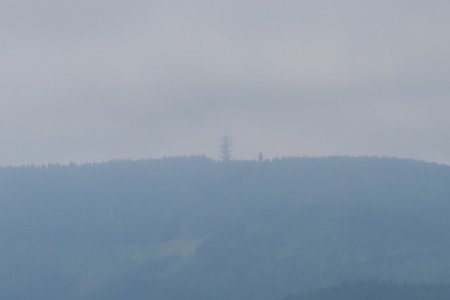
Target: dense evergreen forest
x,y
194,228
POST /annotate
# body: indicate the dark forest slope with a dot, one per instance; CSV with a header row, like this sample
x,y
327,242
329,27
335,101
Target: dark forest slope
x,y
192,228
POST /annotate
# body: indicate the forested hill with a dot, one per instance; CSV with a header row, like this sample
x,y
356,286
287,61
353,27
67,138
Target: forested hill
x,y
193,228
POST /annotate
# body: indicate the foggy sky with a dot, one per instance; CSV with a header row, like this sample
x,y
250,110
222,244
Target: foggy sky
x,y
92,80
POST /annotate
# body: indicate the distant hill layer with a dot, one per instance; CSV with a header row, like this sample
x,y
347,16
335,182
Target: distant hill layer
x,y
192,228
377,291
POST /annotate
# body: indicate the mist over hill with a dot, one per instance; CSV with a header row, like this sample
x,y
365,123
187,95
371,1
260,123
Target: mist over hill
x,y
193,228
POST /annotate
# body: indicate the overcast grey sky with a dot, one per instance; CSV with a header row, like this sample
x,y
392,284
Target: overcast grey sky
x,y
90,80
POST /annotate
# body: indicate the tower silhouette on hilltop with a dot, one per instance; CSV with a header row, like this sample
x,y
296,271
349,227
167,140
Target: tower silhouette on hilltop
x,y
225,148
